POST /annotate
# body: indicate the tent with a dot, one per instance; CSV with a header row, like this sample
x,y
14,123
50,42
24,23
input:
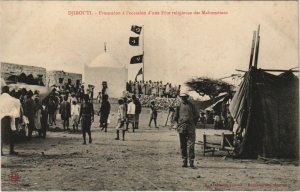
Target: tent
x,y
217,102
3,82
266,106
43,91
106,68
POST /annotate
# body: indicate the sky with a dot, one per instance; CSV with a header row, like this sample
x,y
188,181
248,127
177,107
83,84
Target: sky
x,y
176,48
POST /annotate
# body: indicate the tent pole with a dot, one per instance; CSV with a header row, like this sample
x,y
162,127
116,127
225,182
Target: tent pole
x,y
143,53
257,47
279,70
271,70
252,49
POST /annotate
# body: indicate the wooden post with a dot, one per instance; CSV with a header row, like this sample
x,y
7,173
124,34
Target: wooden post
x,y
257,47
143,54
252,49
222,141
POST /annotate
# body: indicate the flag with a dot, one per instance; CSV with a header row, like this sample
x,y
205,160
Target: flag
x,y
136,59
139,73
136,29
134,41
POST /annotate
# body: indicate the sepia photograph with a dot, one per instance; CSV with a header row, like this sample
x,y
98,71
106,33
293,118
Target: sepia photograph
x,y
149,95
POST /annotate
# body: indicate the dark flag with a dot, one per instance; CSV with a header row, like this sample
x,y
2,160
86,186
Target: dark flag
x,y
139,73
136,29
134,41
136,59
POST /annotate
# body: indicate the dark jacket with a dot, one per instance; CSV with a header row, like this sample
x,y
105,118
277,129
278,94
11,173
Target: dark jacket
x,y
51,107
105,109
186,115
65,110
29,108
86,110
138,106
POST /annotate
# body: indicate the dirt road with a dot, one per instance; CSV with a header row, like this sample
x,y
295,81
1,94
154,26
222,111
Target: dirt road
x,y
149,159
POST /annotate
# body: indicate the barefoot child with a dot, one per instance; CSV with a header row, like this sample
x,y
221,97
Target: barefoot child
x,y
75,109
87,117
153,114
121,119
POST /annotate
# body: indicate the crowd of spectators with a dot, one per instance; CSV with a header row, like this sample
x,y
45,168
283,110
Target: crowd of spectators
x,y
154,88
77,90
162,103
38,113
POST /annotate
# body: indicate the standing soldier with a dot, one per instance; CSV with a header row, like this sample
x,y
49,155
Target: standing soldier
x,y
87,117
186,117
138,110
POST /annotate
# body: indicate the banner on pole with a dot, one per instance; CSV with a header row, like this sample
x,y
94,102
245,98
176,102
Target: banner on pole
x,y
136,59
136,29
139,73
134,41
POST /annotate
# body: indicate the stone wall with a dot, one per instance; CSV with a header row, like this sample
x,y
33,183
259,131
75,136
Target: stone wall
x,y
9,69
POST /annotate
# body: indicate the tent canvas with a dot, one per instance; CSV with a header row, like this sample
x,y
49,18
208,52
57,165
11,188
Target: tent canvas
x,y
266,107
43,91
216,105
2,82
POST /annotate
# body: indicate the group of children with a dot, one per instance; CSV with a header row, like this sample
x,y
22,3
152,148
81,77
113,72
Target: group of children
x,y
128,113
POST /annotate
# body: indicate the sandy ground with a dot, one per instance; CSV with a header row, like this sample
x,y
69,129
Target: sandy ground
x,y
149,159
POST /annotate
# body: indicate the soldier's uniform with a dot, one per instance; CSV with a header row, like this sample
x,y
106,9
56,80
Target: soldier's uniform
x,y
187,116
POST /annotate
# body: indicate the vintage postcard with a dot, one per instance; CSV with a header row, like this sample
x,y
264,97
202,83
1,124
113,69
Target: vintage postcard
x,y
149,95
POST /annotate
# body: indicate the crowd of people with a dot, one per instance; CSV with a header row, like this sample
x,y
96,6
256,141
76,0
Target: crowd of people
x,y
78,90
161,103
75,104
31,113
24,111
154,88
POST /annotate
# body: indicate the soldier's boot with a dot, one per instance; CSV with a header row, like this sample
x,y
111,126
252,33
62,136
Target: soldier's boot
x,y
84,141
192,164
184,163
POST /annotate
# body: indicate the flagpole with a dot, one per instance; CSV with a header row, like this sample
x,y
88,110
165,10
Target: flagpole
x,y
143,53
